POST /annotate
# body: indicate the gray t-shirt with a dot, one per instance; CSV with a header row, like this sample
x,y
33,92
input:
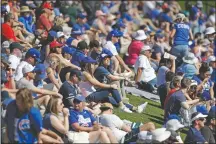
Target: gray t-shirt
x,y
207,134
24,83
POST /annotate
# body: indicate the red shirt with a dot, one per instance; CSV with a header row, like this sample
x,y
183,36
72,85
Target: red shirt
x,y
134,51
8,32
44,23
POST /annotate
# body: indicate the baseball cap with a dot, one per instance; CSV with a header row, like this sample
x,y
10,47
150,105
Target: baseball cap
x,y
202,109
14,45
27,68
211,59
103,56
193,82
173,116
173,125
180,16
5,44
121,24
145,48
76,31
34,53
199,4
47,5
60,34
160,134
80,98
116,33
55,44
68,50
76,72
197,115
82,45
159,35
81,15
139,35
88,60
210,30
106,105
53,33
40,69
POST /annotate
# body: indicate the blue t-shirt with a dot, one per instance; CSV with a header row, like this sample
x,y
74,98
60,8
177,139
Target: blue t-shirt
x,y
188,69
96,56
27,21
101,74
69,41
164,17
174,103
83,27
182,34
205,93
118,46
68,91
84,118
28,125
78,56
161,76
194,136
213,75
38,84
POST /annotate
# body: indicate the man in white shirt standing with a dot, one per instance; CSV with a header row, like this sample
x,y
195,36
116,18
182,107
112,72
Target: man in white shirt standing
x,y
143,69
15,54
31,58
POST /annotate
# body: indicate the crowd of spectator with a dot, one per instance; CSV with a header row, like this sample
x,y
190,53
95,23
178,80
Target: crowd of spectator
x,y
65,65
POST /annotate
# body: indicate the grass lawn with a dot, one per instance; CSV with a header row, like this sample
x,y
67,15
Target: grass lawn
x,y
152,113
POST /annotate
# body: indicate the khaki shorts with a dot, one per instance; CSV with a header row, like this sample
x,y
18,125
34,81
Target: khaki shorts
x,y
78,137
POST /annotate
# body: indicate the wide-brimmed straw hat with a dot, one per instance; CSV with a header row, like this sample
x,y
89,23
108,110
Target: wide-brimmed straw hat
x,y
24,9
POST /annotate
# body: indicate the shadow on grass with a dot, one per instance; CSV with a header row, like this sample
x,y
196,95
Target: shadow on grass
x,y
158,106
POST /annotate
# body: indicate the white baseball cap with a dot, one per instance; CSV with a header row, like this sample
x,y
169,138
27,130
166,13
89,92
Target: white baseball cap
x,y
145,48
27,68
211,59
60,34
197,115
6,44
210,30
160,134
173,125
193,82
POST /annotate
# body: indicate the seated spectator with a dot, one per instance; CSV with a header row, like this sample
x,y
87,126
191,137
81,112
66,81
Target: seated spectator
x,y
69,89
99,22
205,85
60,37
81,22
192,91
169,65
40,95
31,58
144,71
76,37
15,54
119,129
24,122
5,49
40,71
135,48
174,126
208,131
178,99
194,135
83,120
189,66
52,72
164,89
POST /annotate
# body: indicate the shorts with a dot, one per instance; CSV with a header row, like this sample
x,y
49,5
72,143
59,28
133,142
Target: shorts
x,y
133,135
78,137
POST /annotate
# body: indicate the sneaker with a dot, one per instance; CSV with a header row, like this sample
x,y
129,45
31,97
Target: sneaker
x,y
125,109
142,107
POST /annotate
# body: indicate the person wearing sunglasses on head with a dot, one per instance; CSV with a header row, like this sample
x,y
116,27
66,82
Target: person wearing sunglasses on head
x,y
194,135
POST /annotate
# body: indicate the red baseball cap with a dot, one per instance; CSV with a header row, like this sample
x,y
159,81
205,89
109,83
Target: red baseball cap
x,y
55,44
47,5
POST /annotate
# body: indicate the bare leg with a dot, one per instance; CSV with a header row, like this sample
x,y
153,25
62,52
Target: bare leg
x,y
43,100
110,135
147,127
96,136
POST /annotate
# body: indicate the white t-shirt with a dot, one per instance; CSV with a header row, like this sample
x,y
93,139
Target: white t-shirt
x,y
114,123
14,60
148,72
19,72
110,46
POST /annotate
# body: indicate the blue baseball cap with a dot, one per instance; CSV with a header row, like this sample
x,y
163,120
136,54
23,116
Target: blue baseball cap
x,y
88,60
173,116
68,50
202,109
116,33
103,56
53,33
81,15
76,31
80,98
40,70
34,53
121,24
